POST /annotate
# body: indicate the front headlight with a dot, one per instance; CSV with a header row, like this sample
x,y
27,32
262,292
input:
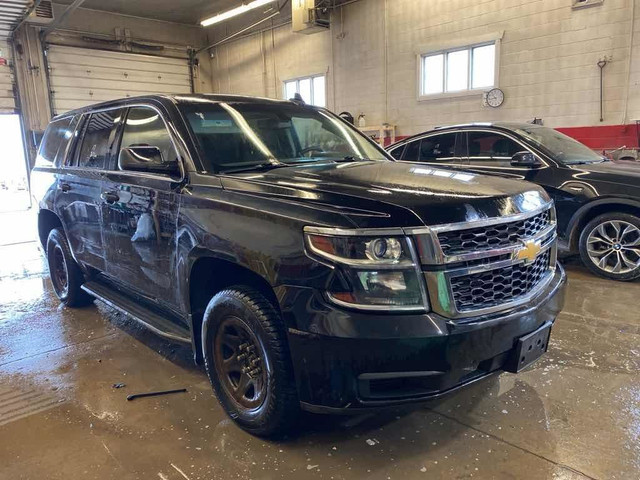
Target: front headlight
x,y
372,272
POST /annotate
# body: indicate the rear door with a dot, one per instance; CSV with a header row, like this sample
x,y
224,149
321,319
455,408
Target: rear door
x,y
78,201
440,150
140,213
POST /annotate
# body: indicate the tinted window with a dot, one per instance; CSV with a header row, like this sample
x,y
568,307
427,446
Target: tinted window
x,y
58,133
235,136
397,152
438,148
145,127
99,135
493,149
412,151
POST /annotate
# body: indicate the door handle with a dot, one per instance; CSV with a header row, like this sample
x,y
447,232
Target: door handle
x,y
110,197
65,187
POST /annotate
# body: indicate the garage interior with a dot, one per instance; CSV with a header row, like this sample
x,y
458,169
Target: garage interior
x,y
575,414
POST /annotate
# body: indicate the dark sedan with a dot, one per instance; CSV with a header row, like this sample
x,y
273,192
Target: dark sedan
x,y
598,201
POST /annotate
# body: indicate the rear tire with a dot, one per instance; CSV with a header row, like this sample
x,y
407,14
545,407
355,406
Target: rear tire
x,y
66,276
610,246
248,362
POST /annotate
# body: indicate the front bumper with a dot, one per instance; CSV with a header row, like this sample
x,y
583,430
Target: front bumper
x,y
350,361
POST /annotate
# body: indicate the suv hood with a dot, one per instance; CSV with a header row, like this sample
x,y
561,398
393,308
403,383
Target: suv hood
x,y
398,194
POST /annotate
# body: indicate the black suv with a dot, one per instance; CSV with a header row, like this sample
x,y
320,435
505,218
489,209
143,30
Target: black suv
x,y
303,265
598,201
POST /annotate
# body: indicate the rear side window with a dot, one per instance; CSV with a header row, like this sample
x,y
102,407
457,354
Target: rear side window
x,y
99,134
412,151
145,127
56,138
397,152
438,148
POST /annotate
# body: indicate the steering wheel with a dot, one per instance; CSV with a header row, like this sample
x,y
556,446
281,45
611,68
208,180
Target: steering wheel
x,y
312,148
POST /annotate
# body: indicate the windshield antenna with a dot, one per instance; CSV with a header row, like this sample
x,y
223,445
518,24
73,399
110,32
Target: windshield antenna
x,y
297,99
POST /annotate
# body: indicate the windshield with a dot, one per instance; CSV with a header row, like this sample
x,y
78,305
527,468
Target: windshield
x,y
244,136
562,148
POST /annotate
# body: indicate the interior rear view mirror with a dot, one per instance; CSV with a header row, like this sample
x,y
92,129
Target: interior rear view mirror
x,y
525,159
145,158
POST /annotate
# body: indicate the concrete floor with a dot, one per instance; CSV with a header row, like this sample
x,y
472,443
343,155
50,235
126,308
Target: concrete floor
x,y
575,414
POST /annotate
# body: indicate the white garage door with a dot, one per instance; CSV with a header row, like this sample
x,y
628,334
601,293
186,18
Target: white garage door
x,y
82,76
7,101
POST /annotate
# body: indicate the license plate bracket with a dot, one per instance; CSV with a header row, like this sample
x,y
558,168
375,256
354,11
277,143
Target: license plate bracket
x,y
529,348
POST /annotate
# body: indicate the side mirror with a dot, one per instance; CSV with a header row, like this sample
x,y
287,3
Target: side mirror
x,y
145,158
525,159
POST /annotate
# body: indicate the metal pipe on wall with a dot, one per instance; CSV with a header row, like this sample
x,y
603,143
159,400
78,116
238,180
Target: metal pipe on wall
x,y
239,32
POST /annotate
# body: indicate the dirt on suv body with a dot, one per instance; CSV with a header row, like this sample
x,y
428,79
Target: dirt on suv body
x,y
306,268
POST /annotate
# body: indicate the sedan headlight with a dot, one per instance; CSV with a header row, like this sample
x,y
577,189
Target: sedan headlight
x,y
372,272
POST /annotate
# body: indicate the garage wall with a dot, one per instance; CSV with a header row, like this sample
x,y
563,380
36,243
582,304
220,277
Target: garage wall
x,y
259,64
548,60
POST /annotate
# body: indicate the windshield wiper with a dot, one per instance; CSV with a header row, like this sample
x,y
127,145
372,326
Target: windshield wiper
x,y
351,158
260,167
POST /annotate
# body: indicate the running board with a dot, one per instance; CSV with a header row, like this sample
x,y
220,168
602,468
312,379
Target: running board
x,y
154,322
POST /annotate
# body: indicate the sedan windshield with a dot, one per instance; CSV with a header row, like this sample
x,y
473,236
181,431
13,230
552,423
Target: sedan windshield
x,y
236,137
564,149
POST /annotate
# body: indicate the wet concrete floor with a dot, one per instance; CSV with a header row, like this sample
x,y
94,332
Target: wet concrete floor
x,y
573,415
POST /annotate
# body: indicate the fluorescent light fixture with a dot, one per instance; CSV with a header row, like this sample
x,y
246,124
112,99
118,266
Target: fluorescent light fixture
x,y
245,7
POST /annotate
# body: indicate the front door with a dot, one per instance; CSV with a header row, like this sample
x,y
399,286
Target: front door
x,y
140,214
490,152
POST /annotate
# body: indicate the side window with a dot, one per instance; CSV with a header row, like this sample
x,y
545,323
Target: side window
x,y
491,149
56,137
144,127
438,148
397,152
99,134
412,151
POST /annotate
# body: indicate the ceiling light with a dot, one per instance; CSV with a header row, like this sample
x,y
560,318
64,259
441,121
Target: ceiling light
x,y
245,7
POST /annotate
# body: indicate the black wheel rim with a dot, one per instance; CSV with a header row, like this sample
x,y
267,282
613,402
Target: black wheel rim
x,y
240,364
59,275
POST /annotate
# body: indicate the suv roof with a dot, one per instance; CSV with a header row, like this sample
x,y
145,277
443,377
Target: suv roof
x,y
173,98
505,125
511,126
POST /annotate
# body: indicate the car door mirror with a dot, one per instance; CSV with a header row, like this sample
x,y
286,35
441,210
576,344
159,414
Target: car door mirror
x,y
525,159
146,158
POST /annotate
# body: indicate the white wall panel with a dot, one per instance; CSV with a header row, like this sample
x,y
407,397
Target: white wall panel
x,y
548,60
81,76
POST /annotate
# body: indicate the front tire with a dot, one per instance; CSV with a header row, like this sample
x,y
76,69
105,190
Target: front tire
x,y
610,246
66,276
248,362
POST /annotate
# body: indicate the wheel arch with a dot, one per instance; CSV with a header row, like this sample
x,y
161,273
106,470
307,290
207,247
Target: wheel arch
x,y
205,281
47,221
588,212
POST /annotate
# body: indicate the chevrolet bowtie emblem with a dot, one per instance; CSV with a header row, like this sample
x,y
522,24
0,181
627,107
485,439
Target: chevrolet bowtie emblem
x,y
528,252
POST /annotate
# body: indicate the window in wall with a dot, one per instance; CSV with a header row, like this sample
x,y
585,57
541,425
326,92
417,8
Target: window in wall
x,y
458,70
311,89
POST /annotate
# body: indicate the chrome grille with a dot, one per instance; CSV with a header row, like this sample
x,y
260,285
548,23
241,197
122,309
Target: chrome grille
x,y
498,264
493,236
499,286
